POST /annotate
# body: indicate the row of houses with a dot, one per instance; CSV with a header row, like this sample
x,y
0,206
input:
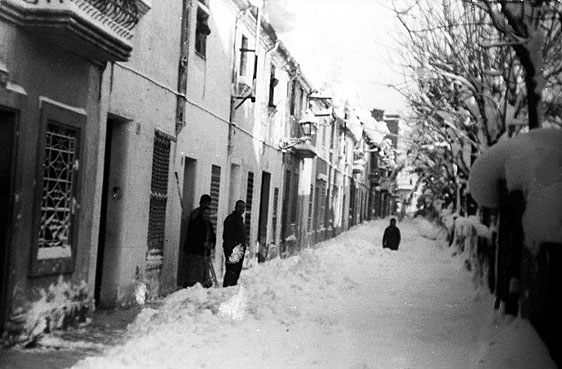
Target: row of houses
x,y
116,115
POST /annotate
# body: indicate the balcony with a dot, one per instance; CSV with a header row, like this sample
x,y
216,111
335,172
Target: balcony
x,y
358,166
100,30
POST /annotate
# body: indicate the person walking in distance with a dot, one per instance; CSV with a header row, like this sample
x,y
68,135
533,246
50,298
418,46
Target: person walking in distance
x,y
391,237
234,244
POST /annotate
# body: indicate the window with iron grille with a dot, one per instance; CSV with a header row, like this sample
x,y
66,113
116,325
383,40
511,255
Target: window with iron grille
x,y
294,198
158,200
310,206
215,191
274,216
58,203
249,197
56,222
320,203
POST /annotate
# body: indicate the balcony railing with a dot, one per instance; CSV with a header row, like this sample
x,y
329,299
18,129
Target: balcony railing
x,y
99,29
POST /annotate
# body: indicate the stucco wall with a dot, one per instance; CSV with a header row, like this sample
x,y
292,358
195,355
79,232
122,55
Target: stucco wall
x,y
142,94
44,70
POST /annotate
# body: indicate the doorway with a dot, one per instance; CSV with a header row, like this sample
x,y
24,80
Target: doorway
x,y
114,160
188,204
8,128
263,217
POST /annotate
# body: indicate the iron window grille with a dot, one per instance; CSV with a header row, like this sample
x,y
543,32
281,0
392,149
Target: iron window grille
x,y
275,212
249,198
158,200
56,223
215,192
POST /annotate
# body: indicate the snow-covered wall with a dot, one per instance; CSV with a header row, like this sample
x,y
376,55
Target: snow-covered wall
x,y
532,163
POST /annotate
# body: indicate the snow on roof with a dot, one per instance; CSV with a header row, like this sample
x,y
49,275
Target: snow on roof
x,y
354,126
375,130
532,163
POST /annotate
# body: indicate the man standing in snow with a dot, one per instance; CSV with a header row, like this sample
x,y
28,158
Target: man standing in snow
x,y
391,238
199,242
204,202
234,244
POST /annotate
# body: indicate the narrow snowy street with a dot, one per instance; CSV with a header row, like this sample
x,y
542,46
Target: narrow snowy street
x,y
345,304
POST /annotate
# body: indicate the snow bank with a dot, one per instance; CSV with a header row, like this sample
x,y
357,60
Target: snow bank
x,y
532,163
465,225
61,305
511,344
345,304
428,229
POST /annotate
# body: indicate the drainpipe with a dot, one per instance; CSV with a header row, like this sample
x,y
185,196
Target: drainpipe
x,y
234,77
183,65
256,48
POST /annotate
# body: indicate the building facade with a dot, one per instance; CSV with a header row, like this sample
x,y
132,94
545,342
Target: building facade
x,y
110,140
52,102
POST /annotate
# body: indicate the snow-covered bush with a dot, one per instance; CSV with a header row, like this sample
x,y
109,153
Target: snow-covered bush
x,y
531,163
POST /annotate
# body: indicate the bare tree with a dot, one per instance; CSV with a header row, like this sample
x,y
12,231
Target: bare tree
x,y
532,29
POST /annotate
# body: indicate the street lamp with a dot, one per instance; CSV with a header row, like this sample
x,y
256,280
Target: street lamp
x,y
308,124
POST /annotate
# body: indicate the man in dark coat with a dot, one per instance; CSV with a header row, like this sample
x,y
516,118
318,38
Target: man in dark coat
x,y
391,238
204,202
234,244
199,242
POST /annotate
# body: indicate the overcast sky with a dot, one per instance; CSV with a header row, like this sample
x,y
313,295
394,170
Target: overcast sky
x,y
348,43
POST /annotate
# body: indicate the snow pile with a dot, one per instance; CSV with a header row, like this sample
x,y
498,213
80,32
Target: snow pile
x,y
51,341
429,229
141,293
60,306
344,304
465,226
236,307
448,221
532,163
507,343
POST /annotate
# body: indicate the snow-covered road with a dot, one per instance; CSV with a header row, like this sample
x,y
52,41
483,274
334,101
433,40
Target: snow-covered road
x,y
345,304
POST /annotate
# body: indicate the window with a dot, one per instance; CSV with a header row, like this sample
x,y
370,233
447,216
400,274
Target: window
x,y
249,197
215,191
54,250
202,29
274,217
158,201
272,83
243,56
310,207
293,90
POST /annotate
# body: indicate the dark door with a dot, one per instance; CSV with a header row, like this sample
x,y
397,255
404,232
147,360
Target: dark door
x,y
7,152
188,204
103,212
264,214
111,213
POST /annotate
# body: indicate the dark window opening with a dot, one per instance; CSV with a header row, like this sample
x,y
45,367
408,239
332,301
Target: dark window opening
x,y
202,29
243,56
272,84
